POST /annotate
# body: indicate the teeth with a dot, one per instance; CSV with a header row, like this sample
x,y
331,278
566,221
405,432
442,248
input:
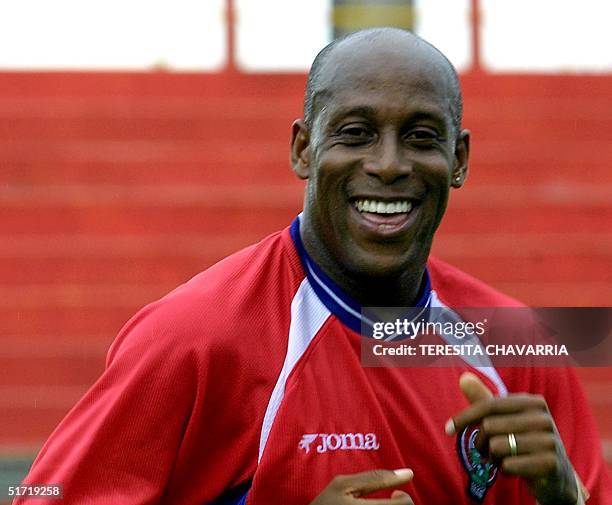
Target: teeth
x,y
383,207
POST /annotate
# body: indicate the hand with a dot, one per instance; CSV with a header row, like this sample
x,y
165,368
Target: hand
x,y
348,489
539,455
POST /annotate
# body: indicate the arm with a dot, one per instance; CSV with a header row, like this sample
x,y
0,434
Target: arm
x,y
576,425
119,443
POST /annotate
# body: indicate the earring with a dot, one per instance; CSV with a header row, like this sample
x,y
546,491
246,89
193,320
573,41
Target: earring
x,y
458,179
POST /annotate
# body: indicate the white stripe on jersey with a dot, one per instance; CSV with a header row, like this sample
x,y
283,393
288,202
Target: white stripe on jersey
x,y
481,363
308,314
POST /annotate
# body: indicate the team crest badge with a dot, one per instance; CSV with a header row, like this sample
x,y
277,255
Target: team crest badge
x,y
481,471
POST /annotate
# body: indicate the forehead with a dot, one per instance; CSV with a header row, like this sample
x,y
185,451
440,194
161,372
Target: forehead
x,y
387,80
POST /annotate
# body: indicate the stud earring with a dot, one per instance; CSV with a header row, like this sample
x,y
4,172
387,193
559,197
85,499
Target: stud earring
x,y
458,179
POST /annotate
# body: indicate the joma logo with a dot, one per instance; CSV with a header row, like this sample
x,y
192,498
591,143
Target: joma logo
x,y
339,442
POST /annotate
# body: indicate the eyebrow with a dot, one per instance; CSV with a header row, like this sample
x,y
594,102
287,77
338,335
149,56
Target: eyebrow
x,y
431,115
361,110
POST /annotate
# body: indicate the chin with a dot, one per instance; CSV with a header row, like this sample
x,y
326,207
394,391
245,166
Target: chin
x,y
405,254
379,267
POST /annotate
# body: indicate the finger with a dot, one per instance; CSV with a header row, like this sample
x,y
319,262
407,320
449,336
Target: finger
x,y
524,422
397,494
475,391
526,443
532,466
509,405
548,475
397,498
473,388
360,484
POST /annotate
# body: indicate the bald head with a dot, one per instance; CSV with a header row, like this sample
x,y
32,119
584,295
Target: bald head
x,y
378,43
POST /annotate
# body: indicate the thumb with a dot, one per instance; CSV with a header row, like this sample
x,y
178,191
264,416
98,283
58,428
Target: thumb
x,y
398,494
361,484
473,388
401,497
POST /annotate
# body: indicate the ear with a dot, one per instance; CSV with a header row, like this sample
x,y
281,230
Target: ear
x,y
462,154
300,149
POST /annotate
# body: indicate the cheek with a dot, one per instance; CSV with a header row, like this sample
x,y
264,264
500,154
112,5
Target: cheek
x,y
329,198
436,170
330,178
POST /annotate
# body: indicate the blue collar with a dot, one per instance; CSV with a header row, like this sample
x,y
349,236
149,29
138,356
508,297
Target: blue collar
x,y
337,301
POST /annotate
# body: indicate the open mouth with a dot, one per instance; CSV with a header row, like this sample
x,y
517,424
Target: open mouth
x,y
384,219
383,208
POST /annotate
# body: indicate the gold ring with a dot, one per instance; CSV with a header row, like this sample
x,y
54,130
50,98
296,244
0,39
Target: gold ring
x,y
512,444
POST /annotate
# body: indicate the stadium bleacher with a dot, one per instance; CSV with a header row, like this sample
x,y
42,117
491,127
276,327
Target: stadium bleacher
x,y
118,187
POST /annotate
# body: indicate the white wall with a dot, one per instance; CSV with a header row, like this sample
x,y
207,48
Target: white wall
x,y
112,34
285,35
547,35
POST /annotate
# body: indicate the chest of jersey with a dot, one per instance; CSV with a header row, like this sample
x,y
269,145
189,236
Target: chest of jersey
x,y
337,417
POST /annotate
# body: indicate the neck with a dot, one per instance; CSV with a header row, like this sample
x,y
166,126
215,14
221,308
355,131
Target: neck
x,y
394,290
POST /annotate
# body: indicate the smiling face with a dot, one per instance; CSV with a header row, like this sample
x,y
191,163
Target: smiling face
x,y
380,157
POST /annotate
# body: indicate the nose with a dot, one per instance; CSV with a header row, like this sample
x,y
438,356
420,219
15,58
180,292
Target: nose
x,y
387,161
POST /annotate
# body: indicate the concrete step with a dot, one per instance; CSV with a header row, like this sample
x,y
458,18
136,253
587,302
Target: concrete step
x,y
44,321
30,426
113,220
88,127
30,379
141,85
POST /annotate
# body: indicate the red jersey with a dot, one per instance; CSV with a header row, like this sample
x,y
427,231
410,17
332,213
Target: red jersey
x,y
245,385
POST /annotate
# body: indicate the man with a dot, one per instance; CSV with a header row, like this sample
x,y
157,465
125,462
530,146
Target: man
x,y
245,384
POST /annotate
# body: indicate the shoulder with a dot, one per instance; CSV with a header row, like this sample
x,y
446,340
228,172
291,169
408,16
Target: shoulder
x,y
222,305
457,288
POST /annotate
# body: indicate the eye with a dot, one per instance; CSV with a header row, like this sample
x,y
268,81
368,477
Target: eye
x,y
422,137
355,134
355,131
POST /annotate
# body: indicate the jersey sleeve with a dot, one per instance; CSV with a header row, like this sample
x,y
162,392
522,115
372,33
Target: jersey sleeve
x,y
572,414
118,444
